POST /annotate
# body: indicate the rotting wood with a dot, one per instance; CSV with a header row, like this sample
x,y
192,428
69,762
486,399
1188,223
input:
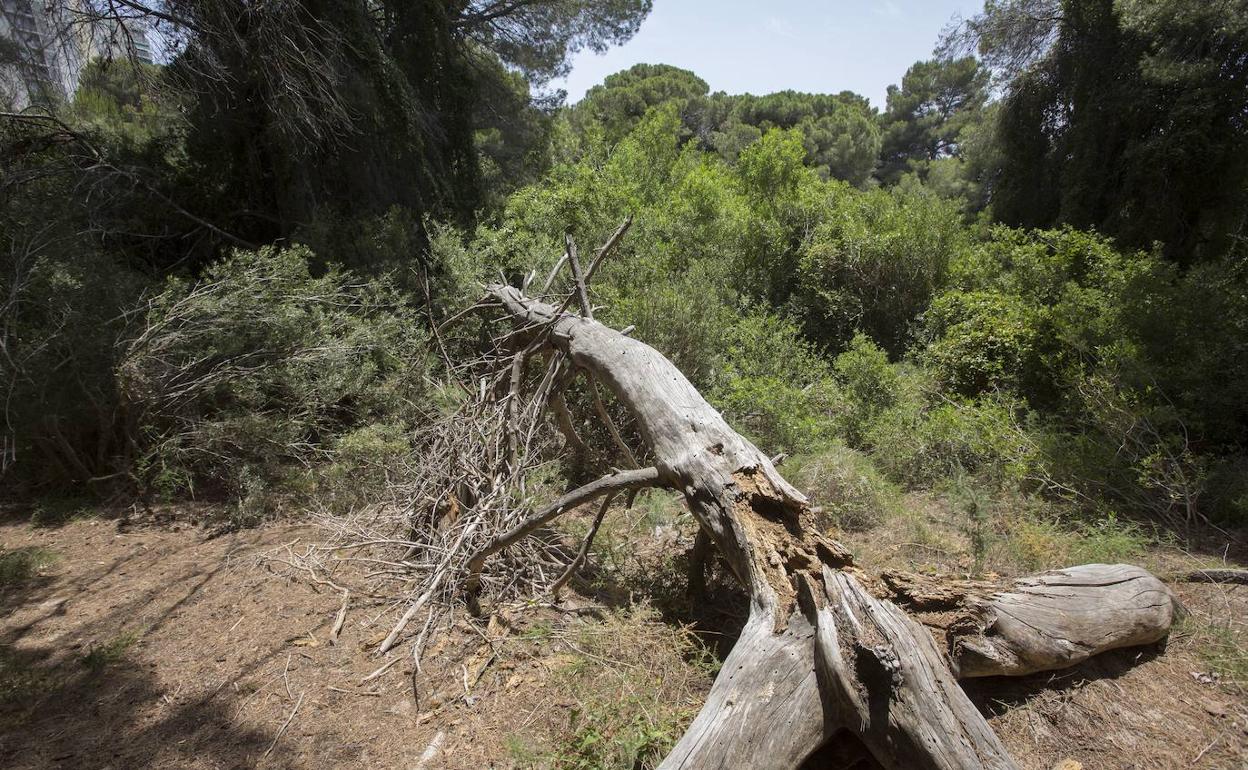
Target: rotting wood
x,y
925,592
819,657
1060,618
772,706
884,669
1214,575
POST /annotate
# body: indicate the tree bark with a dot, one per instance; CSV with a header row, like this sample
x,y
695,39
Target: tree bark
x,y
1060,618
802,670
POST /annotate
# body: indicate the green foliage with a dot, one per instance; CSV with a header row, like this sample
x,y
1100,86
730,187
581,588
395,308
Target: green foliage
x,y
869,386
921,443
927,118
772,385
60,332
1150,144
771,168
844,484
918,436
623,99
1035,539
1114,348
261,367
983,341
113,651
838,132
19,565
1226,490
873,262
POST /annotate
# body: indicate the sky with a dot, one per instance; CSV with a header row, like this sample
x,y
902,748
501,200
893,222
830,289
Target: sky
x,y
748,46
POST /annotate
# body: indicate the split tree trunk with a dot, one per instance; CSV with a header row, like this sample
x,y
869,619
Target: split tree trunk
x,y
818,654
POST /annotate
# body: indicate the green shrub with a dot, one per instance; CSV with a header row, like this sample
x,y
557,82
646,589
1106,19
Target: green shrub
x,y
852,494
873,263
21,564
983,341
242,381
1034,536
773,385
868,385
921,444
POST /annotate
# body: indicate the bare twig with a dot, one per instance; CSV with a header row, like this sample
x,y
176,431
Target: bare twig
x,y
585,546
643,477
285,724
605,416
383,669
340,619
582,293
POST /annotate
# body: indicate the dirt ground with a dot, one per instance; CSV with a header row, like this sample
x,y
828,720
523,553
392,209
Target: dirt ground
x,y
164,646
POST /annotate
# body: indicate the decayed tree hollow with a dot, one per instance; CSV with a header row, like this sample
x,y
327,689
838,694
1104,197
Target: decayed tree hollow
x,y
1060,618
817,654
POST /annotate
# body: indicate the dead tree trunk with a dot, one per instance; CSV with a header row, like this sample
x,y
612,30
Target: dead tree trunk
x,y
818,654
1060,618
1042,622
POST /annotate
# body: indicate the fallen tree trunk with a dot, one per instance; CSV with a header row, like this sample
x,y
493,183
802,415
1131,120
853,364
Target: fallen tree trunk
x,y
804,670
1060,618
1042,622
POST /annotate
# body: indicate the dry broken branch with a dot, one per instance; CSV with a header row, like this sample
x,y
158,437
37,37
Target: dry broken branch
x,y
818,655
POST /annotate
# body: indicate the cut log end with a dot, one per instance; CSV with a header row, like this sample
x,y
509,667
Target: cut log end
x,y
1060,618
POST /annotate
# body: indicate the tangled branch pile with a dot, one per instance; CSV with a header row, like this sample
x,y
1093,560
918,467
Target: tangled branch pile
x,y
473,485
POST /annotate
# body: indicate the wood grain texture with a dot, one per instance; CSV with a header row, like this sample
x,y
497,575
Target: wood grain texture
x,y
884,674
1059,618
802,669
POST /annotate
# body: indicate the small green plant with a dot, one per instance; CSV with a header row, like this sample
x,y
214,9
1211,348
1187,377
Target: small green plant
x,y
20,680
521,752
1108,540
659,508
634,679
21,564
978,524
539,631
56,511
1035,537
101,656
1226,652
1221,642
599,742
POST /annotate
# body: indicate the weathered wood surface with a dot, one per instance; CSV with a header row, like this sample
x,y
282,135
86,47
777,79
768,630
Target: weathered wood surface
x,y
773,704
884,673
1060,618
1215,575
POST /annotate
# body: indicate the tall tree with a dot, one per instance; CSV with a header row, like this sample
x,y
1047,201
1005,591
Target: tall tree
x,y
927,115
344,109
1128,116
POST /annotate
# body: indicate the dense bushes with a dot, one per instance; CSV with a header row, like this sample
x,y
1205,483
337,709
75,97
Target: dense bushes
x,y
873,262
260,370
826,315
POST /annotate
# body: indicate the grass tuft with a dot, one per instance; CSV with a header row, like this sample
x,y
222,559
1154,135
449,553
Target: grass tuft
x,y
21,564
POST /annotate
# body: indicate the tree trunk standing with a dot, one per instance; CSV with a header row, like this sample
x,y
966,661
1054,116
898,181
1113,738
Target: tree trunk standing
x,y
801,671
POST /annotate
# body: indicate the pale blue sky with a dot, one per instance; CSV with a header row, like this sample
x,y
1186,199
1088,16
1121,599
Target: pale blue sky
x,y
741,46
